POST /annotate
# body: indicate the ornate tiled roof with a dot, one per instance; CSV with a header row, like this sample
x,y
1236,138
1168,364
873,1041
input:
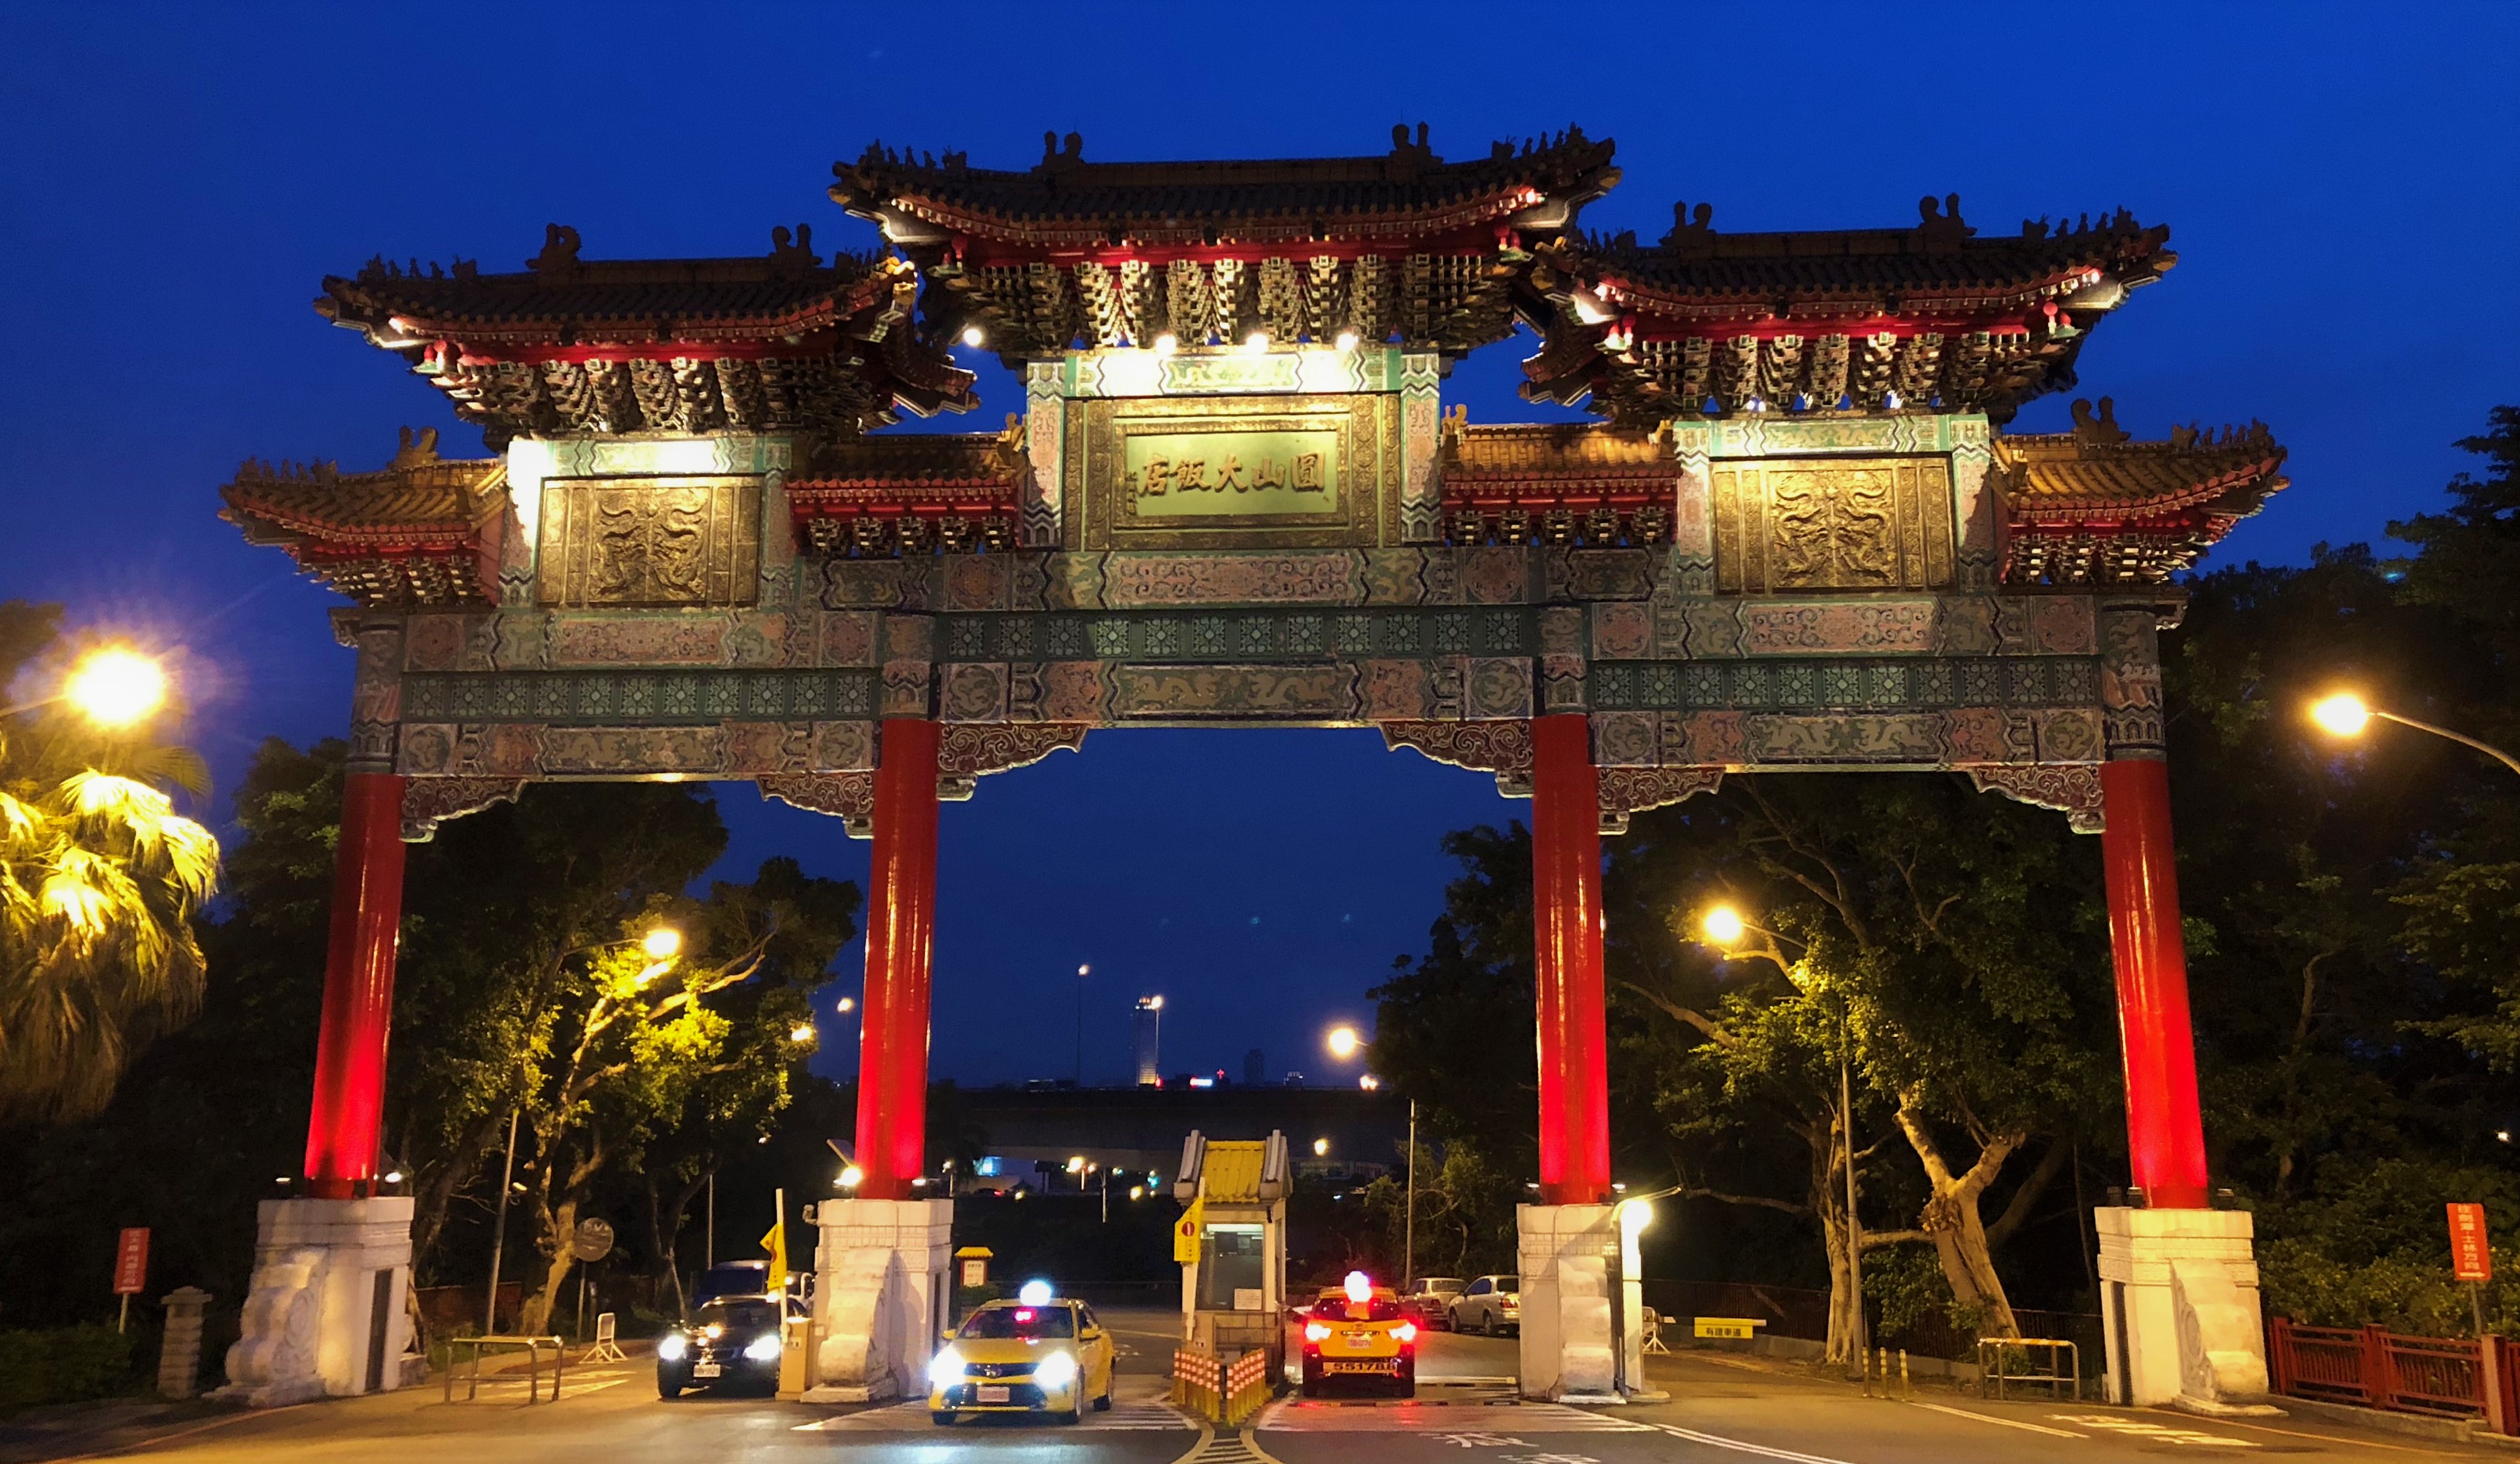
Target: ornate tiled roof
x,y
782,342
1399,200
1110,254
2091,507
1863,319
415,533
1561,483
913,493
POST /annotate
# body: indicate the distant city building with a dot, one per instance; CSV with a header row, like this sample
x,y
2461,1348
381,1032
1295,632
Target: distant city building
x,y
1254,1064
1150,1022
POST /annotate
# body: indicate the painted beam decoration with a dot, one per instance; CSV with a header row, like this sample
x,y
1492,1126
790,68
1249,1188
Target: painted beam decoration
x,y
1233,497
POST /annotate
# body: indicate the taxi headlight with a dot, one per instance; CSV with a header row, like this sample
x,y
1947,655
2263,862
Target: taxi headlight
x,y
1056,1370
945,1369
671,1347
763,1348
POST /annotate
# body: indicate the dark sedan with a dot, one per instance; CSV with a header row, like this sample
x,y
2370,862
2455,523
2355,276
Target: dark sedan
x,y
733,1341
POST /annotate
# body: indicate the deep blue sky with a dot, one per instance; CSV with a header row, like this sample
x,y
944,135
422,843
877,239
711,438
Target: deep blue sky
x,y
2343,182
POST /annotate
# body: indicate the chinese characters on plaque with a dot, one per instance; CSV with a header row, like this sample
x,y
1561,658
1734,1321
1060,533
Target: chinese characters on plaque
x,y
1160,475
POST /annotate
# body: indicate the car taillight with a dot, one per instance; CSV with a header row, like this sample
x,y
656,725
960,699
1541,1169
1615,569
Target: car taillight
x,y
1317,1332
1407,1331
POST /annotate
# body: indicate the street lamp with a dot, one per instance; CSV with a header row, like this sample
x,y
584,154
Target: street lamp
x,y
663,944
116,686
1343,1042
2342,714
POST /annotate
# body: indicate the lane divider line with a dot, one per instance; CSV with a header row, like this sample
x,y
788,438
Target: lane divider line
x,y
1743,1446
2010,1423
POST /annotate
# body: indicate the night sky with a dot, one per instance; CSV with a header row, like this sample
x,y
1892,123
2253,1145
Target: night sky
x,y
2343,183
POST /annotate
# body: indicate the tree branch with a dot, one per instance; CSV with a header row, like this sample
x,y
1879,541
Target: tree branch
x,y
2033,1184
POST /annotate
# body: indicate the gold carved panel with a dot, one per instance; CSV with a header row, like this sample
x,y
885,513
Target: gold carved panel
x,y
1294,472
1789,526
650,542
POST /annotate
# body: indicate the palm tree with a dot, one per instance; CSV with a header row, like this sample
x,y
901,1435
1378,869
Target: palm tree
x,y
100,879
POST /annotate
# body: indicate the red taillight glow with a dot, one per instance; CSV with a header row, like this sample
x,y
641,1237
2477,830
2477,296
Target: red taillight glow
x,y
1407,1331
1317,1332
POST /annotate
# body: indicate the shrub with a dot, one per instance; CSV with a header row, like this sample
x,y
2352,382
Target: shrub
x,y
64,1366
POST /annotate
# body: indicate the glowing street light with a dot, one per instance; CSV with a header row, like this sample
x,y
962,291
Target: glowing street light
x,y
973,335
846,1005
1724,925
116,686
850,1177
1369,1082
663,944
2344,714
802,1032
1320,1148
1343,1042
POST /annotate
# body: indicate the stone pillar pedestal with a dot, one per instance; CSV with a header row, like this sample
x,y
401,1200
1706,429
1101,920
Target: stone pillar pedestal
x,y
326,1315
883,1281
179,1349
2178,1298
1567,1349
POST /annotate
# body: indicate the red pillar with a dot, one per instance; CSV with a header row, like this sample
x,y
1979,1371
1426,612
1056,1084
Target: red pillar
x,y
901,928
1567,919
358,987
2165,1132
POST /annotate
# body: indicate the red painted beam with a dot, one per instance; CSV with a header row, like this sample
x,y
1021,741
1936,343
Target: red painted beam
x,y
358,988
1567,919
2165,1131
901,931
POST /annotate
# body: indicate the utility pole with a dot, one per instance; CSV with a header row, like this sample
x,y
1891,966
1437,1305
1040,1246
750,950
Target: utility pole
x,y
499,1234
1846,1128
1409,1224
708,1240
1081,973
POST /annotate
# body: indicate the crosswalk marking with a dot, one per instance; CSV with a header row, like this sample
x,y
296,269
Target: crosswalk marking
x,y
912,1417
2153,1431
1450,1422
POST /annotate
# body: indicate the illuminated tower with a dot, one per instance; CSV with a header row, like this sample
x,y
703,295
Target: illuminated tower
x,y
1150,1022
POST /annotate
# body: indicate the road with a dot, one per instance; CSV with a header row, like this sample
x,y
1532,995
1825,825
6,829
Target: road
x,y
1724,1410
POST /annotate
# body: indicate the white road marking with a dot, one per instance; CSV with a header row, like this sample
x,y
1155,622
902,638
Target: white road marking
x,y
2010,1423
2142,1429
1743,1446
912,1417
1433,1419
1479,1441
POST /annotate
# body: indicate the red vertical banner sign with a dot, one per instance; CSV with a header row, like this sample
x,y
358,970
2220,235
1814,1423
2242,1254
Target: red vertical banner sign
x,y
132,1263
2470,1258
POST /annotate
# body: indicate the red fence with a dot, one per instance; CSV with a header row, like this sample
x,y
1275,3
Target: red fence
x,y
2378,1369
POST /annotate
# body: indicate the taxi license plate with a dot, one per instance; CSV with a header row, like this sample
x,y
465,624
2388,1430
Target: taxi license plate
x,y
1358,1367
703,1369
995,1395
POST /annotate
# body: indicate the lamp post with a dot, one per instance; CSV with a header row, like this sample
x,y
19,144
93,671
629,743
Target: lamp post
x,y
112,687
2342,714
1724,928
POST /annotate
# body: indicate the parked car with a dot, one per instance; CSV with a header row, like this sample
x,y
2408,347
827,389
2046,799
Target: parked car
x,y
1428,1301
730,1341
1489,1305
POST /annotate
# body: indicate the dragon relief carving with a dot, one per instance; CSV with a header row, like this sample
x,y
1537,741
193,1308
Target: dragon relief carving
x,y
1627,791
651,546
1835,529
2071,787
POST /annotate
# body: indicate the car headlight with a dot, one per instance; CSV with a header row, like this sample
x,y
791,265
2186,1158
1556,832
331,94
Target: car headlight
x,y
763,1348
1056,1370
671,1347
945,1369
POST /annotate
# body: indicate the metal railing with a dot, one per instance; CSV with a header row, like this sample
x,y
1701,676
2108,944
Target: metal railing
x,y
2377,1368
2003,1360
459,1348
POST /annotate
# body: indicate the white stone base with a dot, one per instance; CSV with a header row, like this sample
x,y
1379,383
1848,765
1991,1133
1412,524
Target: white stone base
x,y
1567,1347
2178,1305
882,1290
312,1322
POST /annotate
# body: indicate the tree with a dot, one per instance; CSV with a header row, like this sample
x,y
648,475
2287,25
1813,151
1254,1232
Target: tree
x,y
99,880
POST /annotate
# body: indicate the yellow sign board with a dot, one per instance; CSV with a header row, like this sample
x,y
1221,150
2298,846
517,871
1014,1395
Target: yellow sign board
x,y
1735,1328
1232,473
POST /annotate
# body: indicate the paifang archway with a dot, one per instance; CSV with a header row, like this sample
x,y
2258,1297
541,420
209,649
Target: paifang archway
x,y
1798,540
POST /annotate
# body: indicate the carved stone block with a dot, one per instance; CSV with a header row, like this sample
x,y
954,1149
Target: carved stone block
x,y
651,541
1875,524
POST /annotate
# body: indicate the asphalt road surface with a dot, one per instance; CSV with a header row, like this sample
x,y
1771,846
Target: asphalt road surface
x,y
1724,1410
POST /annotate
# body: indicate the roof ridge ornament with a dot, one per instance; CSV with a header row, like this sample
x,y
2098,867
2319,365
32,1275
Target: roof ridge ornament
x,y
559,258
2097,431
418,450
1939,227
1691,236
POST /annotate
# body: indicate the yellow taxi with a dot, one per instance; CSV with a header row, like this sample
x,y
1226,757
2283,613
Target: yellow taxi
x,y
1037,1353
1358,1331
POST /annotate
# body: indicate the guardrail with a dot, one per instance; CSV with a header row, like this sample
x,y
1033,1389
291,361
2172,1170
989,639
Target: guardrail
x,y
2375,1368
1997,1358
533,1347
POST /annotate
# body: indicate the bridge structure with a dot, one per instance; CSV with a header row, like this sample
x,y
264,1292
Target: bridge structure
x,y
1797,538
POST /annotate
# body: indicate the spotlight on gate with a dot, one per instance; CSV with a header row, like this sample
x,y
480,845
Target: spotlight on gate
x,y
1724,925
851,1177
972,336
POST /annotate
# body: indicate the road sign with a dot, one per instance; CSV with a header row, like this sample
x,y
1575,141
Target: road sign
x,y
132,1263
1737,1328
2469,1260
975,1263
593,1241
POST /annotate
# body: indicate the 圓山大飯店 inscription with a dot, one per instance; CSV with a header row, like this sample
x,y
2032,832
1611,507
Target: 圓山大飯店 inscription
x,y
1233,473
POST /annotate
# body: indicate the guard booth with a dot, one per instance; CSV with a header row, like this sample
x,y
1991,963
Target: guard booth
x,y
1232,1244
